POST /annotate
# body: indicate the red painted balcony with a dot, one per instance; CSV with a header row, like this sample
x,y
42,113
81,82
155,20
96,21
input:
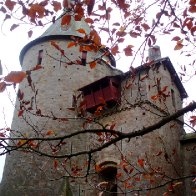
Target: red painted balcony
x,y
105,90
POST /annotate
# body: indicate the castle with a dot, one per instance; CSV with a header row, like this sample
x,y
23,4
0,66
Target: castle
x,y
64,95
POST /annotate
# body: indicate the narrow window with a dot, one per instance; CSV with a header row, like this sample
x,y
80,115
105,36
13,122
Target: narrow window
x,y
84,56
173,98
40,56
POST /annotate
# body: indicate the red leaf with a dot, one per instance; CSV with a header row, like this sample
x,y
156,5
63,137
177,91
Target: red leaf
x,y
10,4
13,27
66,19
192,9
176,38
15,76
89,20
90,5
20,112
112,126
55,164
2,86
37,67
141,162
193,120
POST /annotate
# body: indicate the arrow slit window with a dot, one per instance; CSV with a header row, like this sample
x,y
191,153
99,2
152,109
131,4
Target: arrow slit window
x,y
40,57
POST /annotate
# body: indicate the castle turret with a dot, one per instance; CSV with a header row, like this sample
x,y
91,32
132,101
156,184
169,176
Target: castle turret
x,y
58,64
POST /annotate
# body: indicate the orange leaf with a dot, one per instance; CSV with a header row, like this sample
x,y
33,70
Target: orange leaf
x,y
71,44
2,86
114,50
15,76
81,31
141,162
66,19
93,64
56,5
13,27
36,8
50,132
10,4
89,20
179,45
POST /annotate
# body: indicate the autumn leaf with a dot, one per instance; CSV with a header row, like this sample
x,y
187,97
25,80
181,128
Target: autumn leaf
x,y
90,5
179,45
141,162
92,64
71,44
89,20
114,50
56,5
66,19
30,33
192,9
14,26
15,76
10,4
50,132
81,31
20,113
55,164
128,50
193,120
95,37
2,86
36,8
145,26
176,38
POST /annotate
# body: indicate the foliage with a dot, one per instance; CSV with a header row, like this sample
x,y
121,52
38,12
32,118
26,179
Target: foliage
x,y
139,23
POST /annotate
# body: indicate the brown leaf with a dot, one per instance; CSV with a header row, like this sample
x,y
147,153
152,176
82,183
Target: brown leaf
x,y
114,50
90,5
36,8
56,6
10,4
20,113
145,26
179,45
2,86
89,20
13,27
15,76
128,50
66,19
30,33
192,9
176,38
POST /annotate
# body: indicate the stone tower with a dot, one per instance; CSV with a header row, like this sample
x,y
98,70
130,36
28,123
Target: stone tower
x,y
58,72
51,92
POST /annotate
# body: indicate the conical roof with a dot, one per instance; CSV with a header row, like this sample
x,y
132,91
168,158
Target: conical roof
x,y
71,29
57,31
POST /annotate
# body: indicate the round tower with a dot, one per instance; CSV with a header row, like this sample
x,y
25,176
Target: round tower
x,y
58,64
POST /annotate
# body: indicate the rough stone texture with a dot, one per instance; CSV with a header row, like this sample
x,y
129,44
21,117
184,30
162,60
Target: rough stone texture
x,y
52,92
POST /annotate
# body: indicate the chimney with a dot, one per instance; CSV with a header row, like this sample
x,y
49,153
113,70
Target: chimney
x,y
154,53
